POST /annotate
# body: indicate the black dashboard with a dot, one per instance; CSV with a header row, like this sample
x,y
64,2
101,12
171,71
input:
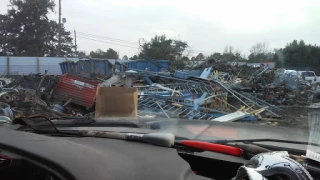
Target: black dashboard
x,y
38,157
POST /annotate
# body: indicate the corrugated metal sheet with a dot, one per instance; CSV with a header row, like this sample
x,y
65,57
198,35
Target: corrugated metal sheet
x,y
163,63
93,68
186,74
144,64
52,64
88,68
3,64
3,60
34,65
23,65
103,67
67,67
81,90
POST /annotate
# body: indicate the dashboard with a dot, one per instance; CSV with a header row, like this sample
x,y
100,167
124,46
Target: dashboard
x,y
25,155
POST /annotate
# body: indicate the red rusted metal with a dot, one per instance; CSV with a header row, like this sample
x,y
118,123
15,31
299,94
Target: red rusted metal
x,y
82,91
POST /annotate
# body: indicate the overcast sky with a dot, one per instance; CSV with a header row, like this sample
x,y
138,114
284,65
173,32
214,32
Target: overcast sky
x,y
206,25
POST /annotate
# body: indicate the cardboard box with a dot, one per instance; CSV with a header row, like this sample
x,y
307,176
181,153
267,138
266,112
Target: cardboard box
x,y
116,102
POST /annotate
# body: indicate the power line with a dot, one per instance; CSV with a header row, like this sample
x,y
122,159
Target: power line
x,y
206,52
105,42
88,36
108,38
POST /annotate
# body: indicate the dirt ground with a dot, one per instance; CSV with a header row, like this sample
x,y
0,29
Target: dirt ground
x,y
292,116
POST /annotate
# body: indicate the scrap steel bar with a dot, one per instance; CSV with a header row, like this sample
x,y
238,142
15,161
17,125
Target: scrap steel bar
x,y
235,92
262,102
231,91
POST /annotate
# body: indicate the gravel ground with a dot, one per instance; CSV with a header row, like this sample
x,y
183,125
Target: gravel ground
x,y
292,116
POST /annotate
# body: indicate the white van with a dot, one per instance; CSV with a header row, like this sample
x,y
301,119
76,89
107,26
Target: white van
x,y
309,76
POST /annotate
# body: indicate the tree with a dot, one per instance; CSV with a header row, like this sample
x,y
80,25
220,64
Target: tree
x,y
26,30
228,54
200,56
278,58
260,52
187,62
185,58
160,47
260,48
178,49
300,56
125,57
51,41
82,54
239,57
228,50
111,54
135,57
97,54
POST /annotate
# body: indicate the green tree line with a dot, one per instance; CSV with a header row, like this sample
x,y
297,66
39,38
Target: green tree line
x,y
26,30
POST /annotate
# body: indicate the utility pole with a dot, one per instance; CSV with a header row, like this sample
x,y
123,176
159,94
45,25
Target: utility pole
x,y
75,43
59,30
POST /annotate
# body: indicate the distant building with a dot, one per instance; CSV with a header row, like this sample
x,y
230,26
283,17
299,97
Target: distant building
x,y
194,64
271,65
238,63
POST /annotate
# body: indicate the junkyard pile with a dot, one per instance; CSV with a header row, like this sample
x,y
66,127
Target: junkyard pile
x,y
214,92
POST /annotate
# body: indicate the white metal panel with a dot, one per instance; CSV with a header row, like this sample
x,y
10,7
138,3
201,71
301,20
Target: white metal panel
x,y
3,69
23,65
231,116
28,65
54,60
3,65
23,61
22,69
3,60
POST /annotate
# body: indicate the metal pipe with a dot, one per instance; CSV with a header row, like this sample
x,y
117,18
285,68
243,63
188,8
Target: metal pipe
x,y
255,103
163,110
68,102
230,91
42,79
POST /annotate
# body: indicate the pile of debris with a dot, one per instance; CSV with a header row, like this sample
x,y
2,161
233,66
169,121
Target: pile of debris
x,y
243,93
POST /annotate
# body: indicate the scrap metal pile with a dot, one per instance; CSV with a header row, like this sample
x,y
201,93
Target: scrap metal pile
x,y
243,93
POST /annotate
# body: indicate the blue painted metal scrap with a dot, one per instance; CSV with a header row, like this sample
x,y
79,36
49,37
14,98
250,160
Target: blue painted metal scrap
x,y
67,67
88,68
140,65
206,73
186,74
149,65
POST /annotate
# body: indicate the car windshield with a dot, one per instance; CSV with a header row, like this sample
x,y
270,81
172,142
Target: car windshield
x,y
234,66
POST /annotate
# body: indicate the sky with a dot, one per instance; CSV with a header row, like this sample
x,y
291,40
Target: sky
x,y
206,25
